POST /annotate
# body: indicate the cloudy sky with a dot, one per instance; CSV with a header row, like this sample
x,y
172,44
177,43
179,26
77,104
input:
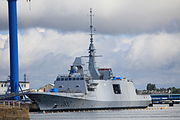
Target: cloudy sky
x,y
138,39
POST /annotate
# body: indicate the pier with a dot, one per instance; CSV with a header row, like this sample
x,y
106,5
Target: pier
x,y
13,110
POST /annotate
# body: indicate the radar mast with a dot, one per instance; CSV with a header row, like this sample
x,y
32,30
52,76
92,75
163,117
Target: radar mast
x,y
92,68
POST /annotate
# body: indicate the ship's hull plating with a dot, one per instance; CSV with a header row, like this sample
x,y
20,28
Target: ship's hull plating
x,y
57,102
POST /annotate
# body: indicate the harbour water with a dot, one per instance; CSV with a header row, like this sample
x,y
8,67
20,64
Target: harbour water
x,y
157,112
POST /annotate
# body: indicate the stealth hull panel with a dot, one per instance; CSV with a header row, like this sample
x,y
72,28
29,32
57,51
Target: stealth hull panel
x,y
57,102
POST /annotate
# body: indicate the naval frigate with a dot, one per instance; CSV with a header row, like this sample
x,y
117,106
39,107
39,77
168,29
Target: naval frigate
x,y
95,88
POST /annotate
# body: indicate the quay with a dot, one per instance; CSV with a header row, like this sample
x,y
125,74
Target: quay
x,y
13,110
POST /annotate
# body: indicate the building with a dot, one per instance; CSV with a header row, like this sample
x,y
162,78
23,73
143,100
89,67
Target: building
x,y
46,88
4,85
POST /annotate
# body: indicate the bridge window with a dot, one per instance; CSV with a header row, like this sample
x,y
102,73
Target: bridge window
x,y
91,89
58,79
116,88
62,79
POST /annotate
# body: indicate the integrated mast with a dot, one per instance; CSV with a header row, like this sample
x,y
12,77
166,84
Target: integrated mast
x,y
92,68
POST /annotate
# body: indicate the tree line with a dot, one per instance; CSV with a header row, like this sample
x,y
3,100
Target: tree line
x,y
152,87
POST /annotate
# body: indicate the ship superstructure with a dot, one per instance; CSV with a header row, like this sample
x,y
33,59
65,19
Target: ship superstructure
x,y
95,89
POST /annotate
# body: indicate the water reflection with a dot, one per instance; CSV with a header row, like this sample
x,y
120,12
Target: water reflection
x,y
158,112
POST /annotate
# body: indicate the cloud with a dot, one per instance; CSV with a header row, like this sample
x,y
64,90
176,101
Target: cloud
x,y
111,17
4,51
41,50
39,42
154,50
145,58
138,39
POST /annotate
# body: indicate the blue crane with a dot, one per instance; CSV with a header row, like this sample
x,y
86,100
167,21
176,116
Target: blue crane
x,y
13,41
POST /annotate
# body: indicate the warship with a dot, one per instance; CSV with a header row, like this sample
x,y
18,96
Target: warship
x,y
95,88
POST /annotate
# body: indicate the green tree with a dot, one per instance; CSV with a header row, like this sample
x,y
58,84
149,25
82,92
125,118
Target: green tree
x,y
174,90
151,86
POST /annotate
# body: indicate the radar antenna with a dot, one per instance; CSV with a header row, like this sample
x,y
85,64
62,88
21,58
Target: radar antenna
x,y
92,69
29,1
91,46
91,25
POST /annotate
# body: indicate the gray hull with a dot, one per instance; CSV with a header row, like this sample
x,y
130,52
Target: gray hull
x,y
56,102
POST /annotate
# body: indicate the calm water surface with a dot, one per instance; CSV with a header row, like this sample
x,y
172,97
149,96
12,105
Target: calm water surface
x,y
158,112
